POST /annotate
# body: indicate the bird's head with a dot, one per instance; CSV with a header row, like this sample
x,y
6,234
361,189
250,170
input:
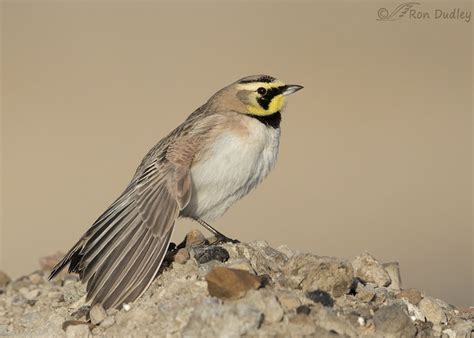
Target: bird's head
x,y
259,95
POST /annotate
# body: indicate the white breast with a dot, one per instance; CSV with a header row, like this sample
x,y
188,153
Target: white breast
x,y
236,164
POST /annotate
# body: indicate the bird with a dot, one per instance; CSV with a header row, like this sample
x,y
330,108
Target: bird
x,y
222,151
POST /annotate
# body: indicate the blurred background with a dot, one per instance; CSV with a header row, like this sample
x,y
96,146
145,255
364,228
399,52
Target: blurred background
x,y
376,151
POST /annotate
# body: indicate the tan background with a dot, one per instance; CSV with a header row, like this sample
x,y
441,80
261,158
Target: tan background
x,y
376,150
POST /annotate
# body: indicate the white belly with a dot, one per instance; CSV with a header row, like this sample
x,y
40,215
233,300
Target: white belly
x,y
236,165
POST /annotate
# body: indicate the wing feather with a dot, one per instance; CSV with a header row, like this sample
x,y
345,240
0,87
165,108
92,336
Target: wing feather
x,y
121,253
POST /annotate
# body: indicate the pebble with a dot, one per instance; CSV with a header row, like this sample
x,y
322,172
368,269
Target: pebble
x,y
97,314
411,295
433,311
228,283
369,270
320,296
393,270
365,293
303,309
310,272
78,331
194,237
4,279
33,294
266,302
288,301
210,253
36,278
392,321
241,264
108,322
182,256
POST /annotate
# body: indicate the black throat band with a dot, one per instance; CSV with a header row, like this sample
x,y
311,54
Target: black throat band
x,y
272,120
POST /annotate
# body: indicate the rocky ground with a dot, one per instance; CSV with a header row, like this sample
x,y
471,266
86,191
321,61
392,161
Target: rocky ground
x,y
232,290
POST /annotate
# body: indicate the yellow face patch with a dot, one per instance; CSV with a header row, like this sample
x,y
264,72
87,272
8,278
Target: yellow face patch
x,y
268,103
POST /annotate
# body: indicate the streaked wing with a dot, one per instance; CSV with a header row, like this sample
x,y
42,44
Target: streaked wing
x,y
121,253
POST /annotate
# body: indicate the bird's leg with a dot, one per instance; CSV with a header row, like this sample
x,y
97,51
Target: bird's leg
x,y
220,237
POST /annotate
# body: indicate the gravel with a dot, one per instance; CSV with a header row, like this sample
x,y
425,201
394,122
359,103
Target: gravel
x,y
233,290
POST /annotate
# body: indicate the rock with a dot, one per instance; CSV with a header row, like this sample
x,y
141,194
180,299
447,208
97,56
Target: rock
x,y
107,322
320,296
194,237
182,256
267,303
4,280
207,254
264,259
228,283
365,293
303,309
432,309
381,295
276,290
393,270
97,314
78,331
411,295
288,301
330,321
82,312
369,270
392,321
32,294
48,262
310,272
213,319
240,264
36,278
463,328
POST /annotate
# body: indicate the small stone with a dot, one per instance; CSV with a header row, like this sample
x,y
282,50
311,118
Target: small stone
x,y
182,256
228,283
288,301
33,294
195,237
70,278
411,295
36,278
381,295
310,272
266,302
365,293
369,270
78,331
393,270
82,312
97,314
320,296
240,264
463,328
48,262
108,322
392,321
433,311
210,253
4,280
303,310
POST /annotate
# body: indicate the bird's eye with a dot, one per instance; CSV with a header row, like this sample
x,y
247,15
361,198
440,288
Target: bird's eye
x,y
262,91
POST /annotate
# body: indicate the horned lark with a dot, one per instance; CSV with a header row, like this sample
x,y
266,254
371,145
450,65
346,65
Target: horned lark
x,y
216,156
